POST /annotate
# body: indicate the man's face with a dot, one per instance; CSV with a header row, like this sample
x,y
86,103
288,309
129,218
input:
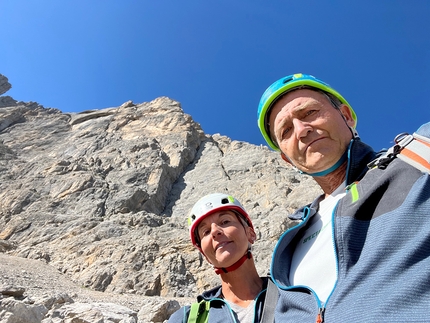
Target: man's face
x,y
309,130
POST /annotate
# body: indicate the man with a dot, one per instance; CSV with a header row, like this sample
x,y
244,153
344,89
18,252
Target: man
x,y
361,250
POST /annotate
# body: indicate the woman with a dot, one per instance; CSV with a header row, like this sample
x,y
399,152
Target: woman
x,y
223,232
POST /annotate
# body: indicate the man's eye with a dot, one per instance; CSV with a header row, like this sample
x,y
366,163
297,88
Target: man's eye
x,y
285,132
308,113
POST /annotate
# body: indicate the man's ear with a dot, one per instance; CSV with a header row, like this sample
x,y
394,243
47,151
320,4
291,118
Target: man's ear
x,y
347,115
284,157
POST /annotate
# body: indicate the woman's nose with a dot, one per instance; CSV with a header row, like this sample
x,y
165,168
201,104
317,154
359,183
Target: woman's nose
x,y
215,229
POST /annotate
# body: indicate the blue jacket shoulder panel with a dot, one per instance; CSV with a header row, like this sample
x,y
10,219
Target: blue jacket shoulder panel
x,y
383,248
424,130
180,316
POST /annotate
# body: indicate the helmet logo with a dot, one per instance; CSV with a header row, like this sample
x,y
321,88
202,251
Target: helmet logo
x,y
208,206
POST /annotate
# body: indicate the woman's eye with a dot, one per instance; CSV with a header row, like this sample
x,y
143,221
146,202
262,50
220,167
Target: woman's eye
x,y
204,232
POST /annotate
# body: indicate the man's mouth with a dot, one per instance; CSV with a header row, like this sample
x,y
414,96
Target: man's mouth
x,y
313,142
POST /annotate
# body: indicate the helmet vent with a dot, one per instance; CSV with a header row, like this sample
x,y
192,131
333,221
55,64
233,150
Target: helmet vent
x,y
287,80
224,201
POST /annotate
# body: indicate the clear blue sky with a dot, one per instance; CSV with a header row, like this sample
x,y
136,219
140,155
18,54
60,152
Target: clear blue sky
x,y
217,57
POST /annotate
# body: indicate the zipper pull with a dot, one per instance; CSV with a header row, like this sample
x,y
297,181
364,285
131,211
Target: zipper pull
x,y
320,316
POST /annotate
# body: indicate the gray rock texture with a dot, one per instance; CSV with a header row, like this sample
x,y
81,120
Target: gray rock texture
x,y
4,84
93,208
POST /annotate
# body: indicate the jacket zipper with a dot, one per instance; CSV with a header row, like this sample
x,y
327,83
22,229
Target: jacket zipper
x,y
320,316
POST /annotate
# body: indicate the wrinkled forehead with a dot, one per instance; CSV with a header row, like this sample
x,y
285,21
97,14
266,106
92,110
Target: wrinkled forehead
x,y
295,101
298,96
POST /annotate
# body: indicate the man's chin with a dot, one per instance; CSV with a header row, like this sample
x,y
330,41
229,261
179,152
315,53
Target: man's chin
x,y
314,168
317,163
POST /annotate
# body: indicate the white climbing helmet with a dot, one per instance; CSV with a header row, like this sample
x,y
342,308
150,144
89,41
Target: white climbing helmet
x,y
210,204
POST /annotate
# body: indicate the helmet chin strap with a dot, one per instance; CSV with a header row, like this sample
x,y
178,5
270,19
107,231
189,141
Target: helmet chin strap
x,y
339,163
342,159
331,169
237,264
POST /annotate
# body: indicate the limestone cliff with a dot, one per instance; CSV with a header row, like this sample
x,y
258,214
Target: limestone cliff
x,y
101,198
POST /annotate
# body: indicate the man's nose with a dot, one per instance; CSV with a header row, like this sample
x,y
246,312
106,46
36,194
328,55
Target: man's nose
x,y
301,128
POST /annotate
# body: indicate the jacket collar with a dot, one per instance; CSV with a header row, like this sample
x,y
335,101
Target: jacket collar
x,y
359,155
217,292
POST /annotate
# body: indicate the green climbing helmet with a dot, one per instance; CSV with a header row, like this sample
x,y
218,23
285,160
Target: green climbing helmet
x,y
284,85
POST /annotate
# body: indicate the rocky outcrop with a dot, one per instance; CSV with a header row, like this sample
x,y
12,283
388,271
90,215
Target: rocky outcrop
x,y
4,84
101,199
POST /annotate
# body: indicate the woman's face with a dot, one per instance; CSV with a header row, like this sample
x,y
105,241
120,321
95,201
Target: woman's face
x,y
223,238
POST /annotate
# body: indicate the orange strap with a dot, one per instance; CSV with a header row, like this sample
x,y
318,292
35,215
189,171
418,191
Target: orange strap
x,y
409,153
415,157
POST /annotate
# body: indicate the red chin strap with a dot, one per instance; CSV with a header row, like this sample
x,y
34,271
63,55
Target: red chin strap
x,y
236,265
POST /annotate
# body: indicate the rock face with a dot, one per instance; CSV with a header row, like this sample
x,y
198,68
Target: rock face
x,y
99,199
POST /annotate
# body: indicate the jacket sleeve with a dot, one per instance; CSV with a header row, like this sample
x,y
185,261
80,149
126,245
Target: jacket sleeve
x,y
180,316
424,130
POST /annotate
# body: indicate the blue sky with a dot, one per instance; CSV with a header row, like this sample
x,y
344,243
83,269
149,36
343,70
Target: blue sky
x,y
217,57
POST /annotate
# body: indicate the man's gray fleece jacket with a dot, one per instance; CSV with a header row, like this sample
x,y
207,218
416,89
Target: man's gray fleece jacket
x,y
382,243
